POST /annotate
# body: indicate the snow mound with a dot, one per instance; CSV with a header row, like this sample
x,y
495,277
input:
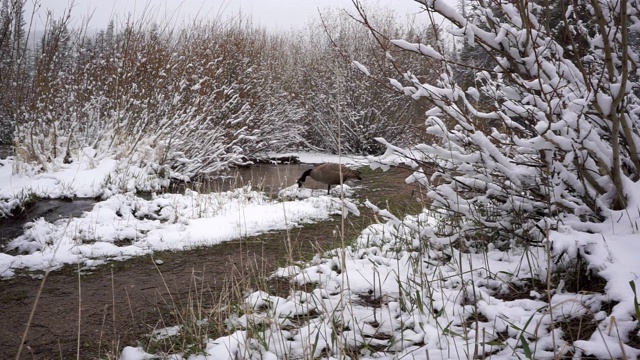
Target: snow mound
x,y
295,192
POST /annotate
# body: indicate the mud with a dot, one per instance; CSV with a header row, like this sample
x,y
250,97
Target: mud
x,y
91,315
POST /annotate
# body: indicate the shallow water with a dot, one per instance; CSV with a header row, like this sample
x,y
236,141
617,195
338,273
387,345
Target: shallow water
x,y
49,209
270,178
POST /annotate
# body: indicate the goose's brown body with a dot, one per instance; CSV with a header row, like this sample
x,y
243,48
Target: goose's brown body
x,y
329,173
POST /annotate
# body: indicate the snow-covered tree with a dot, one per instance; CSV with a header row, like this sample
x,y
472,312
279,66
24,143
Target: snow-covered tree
x,y
550,134
346,110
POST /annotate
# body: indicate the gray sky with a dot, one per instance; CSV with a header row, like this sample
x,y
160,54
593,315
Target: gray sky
x,y
274,14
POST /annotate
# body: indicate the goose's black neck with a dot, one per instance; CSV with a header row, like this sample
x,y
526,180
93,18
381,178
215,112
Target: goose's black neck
x,y
304,177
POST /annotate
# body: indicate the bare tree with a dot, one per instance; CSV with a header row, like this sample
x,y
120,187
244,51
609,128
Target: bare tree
x,y
13,40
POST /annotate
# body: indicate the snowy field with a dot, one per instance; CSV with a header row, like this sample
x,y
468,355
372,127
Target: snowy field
x,y
399,292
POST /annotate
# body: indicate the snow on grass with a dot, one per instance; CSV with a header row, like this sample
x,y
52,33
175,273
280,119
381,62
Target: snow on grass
x,y
401,292
85,177
79,179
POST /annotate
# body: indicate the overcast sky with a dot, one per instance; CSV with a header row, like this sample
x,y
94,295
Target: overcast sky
x,y
274,14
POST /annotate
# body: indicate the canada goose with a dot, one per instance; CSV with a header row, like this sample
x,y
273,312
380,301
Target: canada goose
x,y
329,173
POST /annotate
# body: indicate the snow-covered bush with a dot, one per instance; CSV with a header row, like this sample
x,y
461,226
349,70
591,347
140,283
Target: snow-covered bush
x,y
193,101
550,133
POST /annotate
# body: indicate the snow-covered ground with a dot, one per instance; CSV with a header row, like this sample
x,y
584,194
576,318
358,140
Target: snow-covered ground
x,y
397,295
399,292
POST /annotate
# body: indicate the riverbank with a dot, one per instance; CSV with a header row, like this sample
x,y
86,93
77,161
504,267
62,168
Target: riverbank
x,y
123,301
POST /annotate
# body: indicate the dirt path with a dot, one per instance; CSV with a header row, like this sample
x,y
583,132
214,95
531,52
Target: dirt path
x,y
121,302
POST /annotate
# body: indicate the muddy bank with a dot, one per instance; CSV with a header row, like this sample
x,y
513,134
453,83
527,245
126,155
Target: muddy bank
x,y
98,313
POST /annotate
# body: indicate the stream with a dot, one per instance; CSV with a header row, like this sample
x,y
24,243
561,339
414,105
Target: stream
x,y
122,302
270,178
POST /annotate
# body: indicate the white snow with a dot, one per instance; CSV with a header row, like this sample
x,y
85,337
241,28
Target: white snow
x,y
412,297
80,179
362,68
386,265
